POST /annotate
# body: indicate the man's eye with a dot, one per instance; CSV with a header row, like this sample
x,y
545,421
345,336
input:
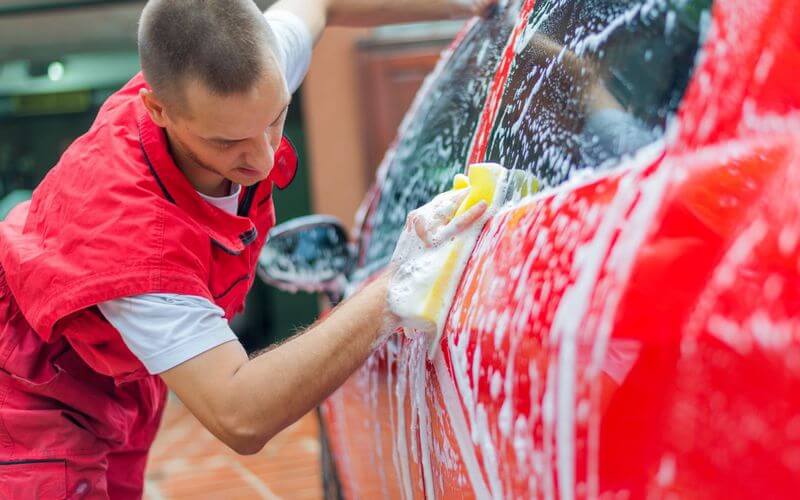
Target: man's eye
x,y
224,144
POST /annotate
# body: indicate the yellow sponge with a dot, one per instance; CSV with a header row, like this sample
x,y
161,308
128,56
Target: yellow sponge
x,y
483,181
422,293
437,294
460,181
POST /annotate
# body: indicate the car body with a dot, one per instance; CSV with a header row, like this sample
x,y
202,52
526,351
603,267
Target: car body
x,y
681,242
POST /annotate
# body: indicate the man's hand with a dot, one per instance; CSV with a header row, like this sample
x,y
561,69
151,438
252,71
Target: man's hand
x,y
420,254
432,225
428,227
435,223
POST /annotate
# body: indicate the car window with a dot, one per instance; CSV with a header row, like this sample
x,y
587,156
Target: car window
x,y
594,81
435,146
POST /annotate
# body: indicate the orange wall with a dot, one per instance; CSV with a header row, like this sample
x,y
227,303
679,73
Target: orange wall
x,y
334,135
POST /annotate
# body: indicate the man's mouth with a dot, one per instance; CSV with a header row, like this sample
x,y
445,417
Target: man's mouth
x,y
250,172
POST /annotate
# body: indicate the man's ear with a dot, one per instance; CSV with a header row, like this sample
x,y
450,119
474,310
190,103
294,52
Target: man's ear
x,y
155,108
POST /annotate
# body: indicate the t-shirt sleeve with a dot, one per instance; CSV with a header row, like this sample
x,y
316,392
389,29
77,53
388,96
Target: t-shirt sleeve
x,y
294,45
164,330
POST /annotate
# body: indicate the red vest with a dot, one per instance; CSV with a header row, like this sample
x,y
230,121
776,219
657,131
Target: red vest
x,y
116,217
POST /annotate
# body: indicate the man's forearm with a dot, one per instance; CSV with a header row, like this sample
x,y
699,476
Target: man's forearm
x,y
281,385
317,14
377,12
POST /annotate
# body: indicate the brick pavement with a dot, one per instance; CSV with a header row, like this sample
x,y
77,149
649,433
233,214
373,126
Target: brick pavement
x,y
188,462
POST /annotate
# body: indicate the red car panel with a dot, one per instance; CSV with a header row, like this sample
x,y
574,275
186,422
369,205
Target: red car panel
x,y
689,251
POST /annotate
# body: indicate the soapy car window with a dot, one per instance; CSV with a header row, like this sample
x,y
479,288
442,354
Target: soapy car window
x,y
435,147
594,81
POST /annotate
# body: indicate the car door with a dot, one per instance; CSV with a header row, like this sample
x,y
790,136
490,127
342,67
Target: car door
x,y
590,351
591,88
566,328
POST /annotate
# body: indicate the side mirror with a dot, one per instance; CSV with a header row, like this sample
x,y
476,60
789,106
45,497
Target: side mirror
x,y
310,254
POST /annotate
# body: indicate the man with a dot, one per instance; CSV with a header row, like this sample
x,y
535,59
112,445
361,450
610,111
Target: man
x,y
121,273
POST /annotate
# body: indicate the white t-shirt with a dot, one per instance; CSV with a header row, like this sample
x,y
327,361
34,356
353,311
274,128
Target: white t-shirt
x,y
164,330
294,45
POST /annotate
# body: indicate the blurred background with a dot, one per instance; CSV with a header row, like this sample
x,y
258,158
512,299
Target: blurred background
x,y
59,61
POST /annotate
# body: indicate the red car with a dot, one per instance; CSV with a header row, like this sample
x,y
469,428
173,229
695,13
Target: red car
x,y
631,330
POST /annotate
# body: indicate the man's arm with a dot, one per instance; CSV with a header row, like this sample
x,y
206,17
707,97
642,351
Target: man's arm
x,y
246,402
320,13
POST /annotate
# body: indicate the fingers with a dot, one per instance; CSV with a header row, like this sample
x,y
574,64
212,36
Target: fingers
x,y
433,223
411,220
463,221
469,217
423,232
446,204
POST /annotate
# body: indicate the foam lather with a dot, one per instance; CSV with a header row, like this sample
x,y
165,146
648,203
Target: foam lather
x,y
423,288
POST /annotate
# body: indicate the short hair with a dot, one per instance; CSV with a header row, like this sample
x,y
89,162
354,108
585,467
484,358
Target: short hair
x,y
222,43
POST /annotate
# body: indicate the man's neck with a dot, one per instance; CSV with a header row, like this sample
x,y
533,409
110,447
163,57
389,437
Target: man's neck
x,y
203,179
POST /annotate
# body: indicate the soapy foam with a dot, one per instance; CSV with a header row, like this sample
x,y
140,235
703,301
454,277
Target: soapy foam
x,y
401,448
426,278
460,428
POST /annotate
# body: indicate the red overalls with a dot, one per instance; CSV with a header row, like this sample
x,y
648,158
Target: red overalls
x,y
115,217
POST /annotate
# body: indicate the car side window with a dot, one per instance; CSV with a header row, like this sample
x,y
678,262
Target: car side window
x,y
436,144
594,81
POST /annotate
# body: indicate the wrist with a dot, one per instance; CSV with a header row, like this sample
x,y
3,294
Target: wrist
x,y
388,321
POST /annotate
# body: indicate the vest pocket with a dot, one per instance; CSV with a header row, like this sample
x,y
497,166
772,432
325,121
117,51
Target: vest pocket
x,y
33,479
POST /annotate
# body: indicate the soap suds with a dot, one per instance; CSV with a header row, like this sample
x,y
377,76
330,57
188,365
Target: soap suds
x,y
424,269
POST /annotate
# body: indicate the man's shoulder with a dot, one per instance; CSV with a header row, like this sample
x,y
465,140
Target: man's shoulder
x,y
125,95
112,144
116,122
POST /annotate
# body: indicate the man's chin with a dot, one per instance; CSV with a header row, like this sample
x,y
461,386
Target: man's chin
x,y
248,182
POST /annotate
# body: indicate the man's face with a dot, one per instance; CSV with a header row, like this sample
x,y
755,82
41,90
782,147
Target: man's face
x,y
229,137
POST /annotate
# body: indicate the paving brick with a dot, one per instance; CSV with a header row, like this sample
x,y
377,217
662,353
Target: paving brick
x,y
188,462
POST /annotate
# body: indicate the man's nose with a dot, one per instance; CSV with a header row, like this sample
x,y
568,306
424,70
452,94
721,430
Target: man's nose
x,y
262,154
